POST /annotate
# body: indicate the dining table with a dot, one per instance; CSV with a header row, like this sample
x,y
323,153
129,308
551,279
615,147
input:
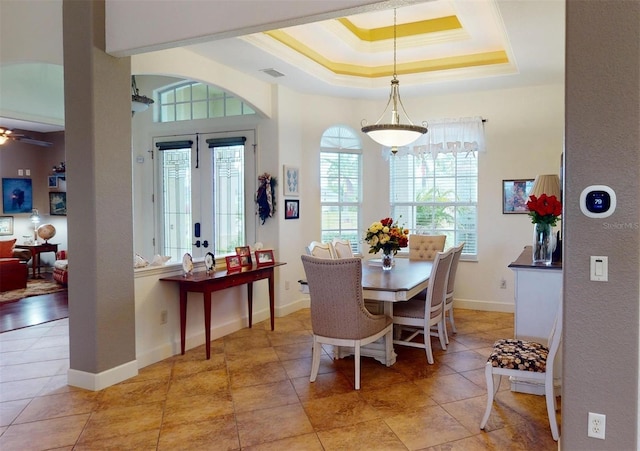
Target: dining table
x,y
402,282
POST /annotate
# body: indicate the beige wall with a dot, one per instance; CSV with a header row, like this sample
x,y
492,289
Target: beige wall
x,y
602,147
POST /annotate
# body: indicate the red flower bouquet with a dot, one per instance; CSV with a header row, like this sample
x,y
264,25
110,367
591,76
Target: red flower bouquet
x,y
544,209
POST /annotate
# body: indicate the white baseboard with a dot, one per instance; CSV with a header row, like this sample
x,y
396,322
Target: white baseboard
x,y
487,306
288,309
95,382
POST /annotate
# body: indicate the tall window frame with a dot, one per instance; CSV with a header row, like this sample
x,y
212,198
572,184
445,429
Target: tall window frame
x,y
341,185
434,183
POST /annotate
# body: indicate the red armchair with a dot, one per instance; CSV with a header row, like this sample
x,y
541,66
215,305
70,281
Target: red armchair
x,y
13,274
60,272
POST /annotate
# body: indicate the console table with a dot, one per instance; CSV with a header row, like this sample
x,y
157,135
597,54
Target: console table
x,y
36,250
207,283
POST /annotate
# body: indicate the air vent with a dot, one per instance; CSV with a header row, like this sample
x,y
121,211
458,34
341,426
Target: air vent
x,y
274,73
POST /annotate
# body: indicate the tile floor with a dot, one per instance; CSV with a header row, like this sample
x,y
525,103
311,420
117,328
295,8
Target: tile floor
x,y
254,394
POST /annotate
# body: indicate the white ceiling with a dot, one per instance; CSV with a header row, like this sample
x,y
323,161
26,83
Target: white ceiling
x,y
530,32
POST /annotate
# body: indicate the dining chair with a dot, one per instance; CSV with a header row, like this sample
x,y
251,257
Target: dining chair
x,y
418,315
525,360
448,302
338,314
320,250
342,248
425,247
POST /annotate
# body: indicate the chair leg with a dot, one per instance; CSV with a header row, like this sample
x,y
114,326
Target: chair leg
x,y
356,358
442,335
427,347
452,321
315,361
551,409
446,331
490,392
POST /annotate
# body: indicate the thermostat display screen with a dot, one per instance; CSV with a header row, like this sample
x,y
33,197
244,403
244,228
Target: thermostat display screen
x,y
598,201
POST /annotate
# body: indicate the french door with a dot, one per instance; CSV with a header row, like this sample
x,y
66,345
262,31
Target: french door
x,y
204,193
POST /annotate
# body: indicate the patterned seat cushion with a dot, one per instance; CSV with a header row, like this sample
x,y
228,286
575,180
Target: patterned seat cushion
x,y
519,355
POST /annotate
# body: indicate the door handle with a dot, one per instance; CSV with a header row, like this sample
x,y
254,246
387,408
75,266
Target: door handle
x,y
205,244
197,243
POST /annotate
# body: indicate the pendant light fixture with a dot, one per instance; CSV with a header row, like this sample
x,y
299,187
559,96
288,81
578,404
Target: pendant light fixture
x,y
394,134
138,102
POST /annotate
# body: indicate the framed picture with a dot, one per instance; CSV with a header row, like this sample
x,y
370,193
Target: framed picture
x,y
17,195
58,204
515,194
264,257
291,177
233,262
291,209
53,181
244,252
6,225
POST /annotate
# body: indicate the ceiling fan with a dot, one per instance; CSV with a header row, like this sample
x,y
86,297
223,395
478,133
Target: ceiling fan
x,y
7,134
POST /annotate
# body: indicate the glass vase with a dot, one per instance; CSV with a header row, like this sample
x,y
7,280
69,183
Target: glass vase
x,y
387,260
542,243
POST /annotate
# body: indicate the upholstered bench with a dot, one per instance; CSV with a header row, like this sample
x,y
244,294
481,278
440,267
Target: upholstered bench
x,y
60,271
13,274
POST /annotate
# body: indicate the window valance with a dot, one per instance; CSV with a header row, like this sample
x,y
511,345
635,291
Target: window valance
x,y
450,135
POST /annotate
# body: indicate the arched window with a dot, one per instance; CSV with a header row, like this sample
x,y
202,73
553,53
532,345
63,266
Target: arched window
x,y
341,184
193,100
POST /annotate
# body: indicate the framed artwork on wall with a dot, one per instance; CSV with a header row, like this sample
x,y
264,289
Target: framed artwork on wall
x,y
53,181
17,195
6,225
515,194
291,177
58,204
291,209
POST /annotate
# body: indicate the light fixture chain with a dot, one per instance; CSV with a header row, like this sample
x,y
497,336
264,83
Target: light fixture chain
x,y
394,43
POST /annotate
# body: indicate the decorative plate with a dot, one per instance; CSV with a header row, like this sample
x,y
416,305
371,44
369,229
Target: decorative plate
x,y
209,261
187,263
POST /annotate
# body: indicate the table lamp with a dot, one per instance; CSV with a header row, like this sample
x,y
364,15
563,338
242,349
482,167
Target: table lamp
x,y
35,219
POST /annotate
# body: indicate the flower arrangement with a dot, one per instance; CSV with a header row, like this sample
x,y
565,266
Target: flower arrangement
x,y
544,209
386,235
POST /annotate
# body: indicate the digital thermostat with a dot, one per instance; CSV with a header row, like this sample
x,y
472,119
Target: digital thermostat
x,y
598,201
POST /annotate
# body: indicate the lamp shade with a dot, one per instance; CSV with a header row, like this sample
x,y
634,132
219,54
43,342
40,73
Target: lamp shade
x,y
548,184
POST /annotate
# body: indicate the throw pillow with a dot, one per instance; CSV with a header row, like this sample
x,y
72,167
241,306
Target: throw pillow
x,y
6,248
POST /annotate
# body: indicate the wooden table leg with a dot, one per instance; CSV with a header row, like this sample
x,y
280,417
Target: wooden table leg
x,y
271,296
207,322
183,318
250,301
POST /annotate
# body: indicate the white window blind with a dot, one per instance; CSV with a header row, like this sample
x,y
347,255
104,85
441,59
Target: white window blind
x,y
434,182
341,185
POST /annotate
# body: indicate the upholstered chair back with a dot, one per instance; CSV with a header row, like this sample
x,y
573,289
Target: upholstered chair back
x,y
425,247
337,304
320,250
342,248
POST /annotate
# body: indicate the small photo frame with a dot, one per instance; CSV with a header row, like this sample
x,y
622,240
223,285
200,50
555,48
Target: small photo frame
x,y
264,257
291,209
291,184
53,181
233,263
515,194
58,204
244,252
6,225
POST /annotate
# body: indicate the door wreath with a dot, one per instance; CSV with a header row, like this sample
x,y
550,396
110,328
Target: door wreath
x,y
266,196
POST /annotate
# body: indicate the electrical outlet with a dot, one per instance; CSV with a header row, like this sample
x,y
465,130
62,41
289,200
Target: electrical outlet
x,y
503,283
164,316
597,424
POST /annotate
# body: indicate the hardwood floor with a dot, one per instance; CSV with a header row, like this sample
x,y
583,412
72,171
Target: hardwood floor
x,y
33,310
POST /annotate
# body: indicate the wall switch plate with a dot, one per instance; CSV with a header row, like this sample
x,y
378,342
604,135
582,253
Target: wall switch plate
x,y
599,271
20,172
27,172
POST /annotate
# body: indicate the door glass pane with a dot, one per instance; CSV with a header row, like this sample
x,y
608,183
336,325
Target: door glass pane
x,y
176,202
228,169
